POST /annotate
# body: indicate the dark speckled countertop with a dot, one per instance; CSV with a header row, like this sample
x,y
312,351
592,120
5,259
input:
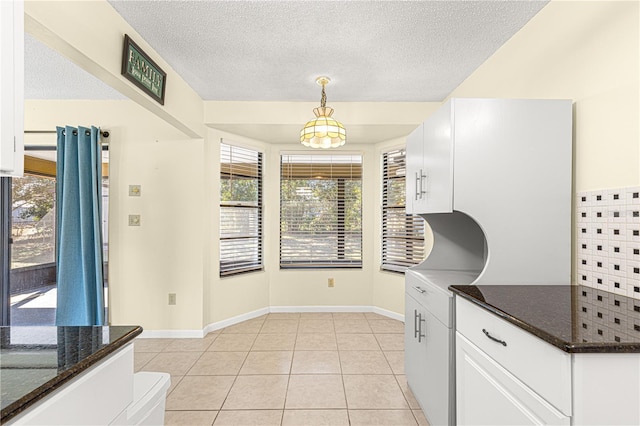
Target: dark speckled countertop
x,y
34,361
576,319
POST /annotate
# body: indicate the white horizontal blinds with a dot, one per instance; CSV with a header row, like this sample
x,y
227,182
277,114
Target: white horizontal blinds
x,y
402,234
321,211
240,210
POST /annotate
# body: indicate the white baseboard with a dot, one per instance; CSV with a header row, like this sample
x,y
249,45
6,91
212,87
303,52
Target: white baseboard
x,y
171,334
321,309
183,334
390,314
234,320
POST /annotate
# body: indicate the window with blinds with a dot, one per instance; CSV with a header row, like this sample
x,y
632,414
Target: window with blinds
x,y
321,211
240,210
402,234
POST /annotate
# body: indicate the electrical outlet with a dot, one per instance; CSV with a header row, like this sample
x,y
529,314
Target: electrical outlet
x,y
332,282
134,220
172,298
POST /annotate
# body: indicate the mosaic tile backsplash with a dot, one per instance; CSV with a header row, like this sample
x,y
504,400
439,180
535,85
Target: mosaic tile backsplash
x,y
608,237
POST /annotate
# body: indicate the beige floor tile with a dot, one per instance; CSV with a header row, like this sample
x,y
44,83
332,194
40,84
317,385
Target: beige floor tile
x,y
382,418
257,393
274,342
373,392
315,326
174,382
200,393
316,315
348,315
357,342
249,418
421,419
174,363
233,342
315,362
190,345
387,326
315,391
352,326
315,418
150,345
277,326
395,360
252,326
316,342
391,341
372,316
267,362
191,418
218,364
141,358
402,382
364,362
283,315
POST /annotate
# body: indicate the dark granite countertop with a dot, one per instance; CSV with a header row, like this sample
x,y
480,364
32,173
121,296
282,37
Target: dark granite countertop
x,y
576,319
34,361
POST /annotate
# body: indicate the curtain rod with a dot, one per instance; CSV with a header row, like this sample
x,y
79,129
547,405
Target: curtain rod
x,y
104,134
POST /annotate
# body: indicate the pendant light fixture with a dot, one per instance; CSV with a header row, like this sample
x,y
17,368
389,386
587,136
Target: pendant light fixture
x,y
323,131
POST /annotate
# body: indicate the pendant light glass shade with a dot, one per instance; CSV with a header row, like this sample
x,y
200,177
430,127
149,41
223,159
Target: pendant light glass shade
x,y
323,131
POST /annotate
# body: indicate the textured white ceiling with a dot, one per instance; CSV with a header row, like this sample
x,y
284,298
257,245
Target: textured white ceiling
x,y
273,50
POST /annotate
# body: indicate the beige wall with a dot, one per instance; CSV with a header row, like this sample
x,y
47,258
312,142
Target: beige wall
x,y
164,254
587,51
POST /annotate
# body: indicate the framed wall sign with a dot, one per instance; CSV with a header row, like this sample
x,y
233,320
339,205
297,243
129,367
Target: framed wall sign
x,y
142,71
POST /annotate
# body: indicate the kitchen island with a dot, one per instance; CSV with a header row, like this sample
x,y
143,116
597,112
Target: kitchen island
x,y
88,370
546,355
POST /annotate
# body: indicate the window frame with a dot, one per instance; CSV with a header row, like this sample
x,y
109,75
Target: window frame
x,y
413,224
338,261
257,266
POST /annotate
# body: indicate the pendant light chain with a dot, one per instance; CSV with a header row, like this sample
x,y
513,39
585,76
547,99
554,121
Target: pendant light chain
x,y
323,99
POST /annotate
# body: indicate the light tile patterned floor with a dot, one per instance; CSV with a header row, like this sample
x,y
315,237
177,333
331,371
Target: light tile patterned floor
x,y
287,369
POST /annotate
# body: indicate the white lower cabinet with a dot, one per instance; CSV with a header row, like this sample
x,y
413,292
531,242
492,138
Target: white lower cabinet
x,y
487,394
428,351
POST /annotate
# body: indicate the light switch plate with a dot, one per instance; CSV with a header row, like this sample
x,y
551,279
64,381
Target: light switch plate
x,y
135,190
134,220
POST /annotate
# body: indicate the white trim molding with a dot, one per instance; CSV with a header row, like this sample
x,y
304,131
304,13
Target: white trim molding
x,y
185,334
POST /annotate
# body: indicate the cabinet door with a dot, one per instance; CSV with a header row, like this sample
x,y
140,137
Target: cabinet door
x,y
414,171
487,394
438,162
11,87
427,362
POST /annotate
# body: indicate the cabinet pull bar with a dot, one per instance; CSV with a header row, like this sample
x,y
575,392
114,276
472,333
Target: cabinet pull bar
x,y
486,333
418,183
415,323
419,289
420,335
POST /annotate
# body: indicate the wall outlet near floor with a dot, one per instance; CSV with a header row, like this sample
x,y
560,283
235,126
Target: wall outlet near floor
x,y
332,282
172,298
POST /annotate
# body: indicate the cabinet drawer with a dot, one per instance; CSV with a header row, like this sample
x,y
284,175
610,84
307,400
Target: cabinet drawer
x,y
539,365
436,300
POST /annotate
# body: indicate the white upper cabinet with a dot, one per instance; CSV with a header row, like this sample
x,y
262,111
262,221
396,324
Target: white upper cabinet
x,y
430,165
11,87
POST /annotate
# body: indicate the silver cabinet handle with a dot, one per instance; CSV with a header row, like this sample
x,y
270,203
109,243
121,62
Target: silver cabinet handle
x,y
486,333
419,289
415,323
420,335
418,184
423,177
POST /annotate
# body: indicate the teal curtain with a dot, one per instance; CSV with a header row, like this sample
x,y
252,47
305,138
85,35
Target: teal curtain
x,y
79,227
